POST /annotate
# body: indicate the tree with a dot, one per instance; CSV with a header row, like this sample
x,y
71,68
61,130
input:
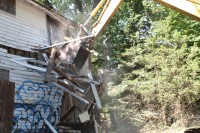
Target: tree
x,y
161,69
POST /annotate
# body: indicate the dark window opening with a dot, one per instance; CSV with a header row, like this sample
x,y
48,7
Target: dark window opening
x,y
8,6
20,52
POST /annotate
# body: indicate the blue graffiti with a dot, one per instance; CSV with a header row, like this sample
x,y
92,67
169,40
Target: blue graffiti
x,y
40,93
33,103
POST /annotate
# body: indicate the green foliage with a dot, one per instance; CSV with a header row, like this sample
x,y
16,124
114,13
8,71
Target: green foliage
x,y
127,28
68,8
168,73
160,66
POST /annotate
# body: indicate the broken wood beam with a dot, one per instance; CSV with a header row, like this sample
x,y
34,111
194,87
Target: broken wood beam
x,y
50,65
70,80
62,73
65,85
71,93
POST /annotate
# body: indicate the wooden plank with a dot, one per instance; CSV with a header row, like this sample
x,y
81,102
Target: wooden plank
x,y
69,80
6,106
72,93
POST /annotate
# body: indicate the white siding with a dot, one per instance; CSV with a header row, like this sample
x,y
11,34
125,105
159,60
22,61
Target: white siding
x,y
30,15
31,96
25,30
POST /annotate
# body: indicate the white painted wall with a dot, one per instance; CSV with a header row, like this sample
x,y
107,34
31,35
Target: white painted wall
x,y
25,29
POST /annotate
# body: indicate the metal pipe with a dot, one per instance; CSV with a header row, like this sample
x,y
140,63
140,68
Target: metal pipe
x,y
73,40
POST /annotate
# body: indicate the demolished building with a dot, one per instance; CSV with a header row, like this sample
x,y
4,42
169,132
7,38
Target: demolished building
x,y
27,104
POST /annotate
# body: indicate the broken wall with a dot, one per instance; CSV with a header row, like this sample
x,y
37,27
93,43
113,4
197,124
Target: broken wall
x,y
33,99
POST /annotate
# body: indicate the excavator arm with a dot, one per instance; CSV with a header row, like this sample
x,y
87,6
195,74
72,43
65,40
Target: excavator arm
x,y
188,7
109,10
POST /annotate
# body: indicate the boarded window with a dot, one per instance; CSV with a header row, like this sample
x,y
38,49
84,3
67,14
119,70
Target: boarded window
x,y
8,6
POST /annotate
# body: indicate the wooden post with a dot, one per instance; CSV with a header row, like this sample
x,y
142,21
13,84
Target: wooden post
x,y
7,90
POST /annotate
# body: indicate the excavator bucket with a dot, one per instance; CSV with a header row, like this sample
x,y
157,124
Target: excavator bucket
x,y
75,54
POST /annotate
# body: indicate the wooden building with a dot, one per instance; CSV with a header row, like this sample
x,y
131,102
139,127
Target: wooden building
x,y
25,24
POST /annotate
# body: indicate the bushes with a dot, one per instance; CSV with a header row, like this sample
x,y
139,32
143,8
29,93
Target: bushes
x,y
162,68
167,78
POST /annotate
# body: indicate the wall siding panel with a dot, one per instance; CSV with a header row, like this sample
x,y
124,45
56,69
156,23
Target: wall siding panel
x,y
24,30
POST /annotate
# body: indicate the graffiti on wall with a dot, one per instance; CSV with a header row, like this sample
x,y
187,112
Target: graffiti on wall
x,y
35,102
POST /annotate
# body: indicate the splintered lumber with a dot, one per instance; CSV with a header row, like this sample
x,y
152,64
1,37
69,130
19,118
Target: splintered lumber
x,y
73,85
71,93
50,65
69,80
